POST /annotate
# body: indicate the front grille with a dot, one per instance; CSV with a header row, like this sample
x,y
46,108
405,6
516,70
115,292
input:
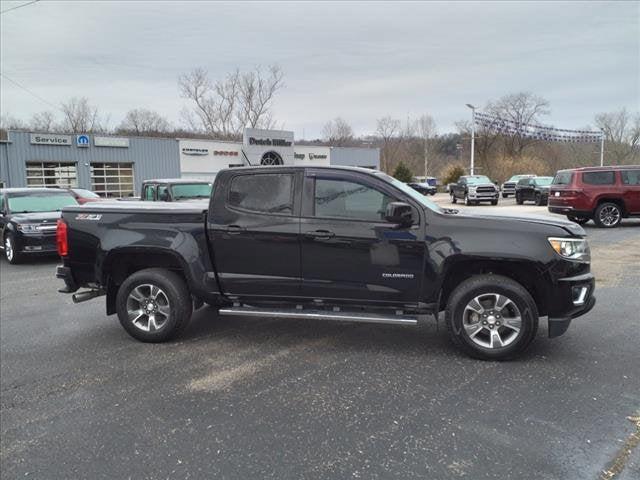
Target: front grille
x,y
485,189
509,185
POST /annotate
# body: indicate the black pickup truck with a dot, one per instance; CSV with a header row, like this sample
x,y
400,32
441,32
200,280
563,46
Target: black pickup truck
x,y
327,243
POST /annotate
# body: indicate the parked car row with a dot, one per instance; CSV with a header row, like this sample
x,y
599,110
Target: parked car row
x,y
28,216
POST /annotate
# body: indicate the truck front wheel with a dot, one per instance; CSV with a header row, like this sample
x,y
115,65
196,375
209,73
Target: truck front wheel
x,y
491,317
154,305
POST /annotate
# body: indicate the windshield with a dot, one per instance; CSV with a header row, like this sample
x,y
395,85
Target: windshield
x,y
543,181
418,197
515,178
191,190
40,202
478,179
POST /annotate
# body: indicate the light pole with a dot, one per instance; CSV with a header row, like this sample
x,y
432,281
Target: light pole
x,y
602,149
473,135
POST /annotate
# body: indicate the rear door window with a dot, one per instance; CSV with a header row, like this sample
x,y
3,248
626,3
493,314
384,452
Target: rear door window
x,y
265,193
599,178
630,177
563,178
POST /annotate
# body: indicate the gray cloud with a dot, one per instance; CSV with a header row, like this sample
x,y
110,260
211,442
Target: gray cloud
x,y
358,60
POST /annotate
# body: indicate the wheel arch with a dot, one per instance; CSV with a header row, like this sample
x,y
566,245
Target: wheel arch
x,y
617,200
525,273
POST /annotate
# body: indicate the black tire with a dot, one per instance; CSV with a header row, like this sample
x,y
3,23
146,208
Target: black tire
x,y
603,220
519,200
454,199
578,220
467,202
494,202
488,284
10,253
504,195
538,199
175,290
432,193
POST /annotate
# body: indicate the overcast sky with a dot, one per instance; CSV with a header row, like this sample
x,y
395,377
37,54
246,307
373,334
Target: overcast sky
x,y
360,60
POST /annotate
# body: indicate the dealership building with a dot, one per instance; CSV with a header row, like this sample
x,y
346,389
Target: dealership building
x,y
116,166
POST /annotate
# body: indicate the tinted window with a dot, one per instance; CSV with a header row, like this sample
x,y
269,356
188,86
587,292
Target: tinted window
x,y
269,193
148,192
344,199
523,182
191,190
630,177
563,178
598,178
163,193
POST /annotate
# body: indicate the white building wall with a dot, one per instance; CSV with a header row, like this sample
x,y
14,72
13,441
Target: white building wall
x,y
205,158
312,155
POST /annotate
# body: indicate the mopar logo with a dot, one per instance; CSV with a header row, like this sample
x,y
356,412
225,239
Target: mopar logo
x,y
82,141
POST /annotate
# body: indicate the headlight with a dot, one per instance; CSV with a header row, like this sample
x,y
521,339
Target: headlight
x,y
576,249
472,188
29,227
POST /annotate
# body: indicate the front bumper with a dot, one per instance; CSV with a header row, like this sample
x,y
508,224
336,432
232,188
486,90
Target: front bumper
x,y
26,244
483,196
572,297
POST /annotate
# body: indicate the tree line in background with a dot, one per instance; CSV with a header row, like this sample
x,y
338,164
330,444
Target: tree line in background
x,y
222,108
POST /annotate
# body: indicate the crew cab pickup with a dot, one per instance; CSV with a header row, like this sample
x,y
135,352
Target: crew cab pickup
x,y
474,189
327,243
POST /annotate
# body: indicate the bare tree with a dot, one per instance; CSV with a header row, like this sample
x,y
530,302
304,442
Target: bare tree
x,y
9,122
223,108
43,121
338,132
142,121
622,135
427,130
81,116
388,129
520,108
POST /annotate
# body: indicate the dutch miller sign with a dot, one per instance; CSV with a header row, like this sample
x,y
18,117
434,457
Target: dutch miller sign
x,y
275,142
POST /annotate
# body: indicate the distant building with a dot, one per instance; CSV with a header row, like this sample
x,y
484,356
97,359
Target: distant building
x,y
115,166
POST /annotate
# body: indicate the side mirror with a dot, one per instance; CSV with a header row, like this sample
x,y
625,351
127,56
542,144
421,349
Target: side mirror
x,y
164,196
399,213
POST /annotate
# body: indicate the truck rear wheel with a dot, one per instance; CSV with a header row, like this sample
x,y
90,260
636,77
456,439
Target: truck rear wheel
x,y
491,317
154,305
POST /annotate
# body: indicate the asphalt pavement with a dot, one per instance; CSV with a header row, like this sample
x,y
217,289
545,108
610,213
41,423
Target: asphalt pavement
x,y
250,398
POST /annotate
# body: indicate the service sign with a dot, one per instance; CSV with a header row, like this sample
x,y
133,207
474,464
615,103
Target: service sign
x,y
50,139
111,142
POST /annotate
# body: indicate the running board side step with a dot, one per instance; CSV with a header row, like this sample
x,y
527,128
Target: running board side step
x,y
340,316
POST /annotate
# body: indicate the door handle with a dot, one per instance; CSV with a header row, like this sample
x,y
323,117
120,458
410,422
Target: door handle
x,y
234,229
320,234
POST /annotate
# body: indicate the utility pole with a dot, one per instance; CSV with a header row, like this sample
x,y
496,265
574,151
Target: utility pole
x,y
473,136
602,149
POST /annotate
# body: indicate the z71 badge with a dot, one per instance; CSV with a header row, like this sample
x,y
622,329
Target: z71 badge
x,y
89,216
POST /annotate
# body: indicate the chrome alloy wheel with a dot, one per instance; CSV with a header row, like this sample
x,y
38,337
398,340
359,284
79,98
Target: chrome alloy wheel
x,y
492,320
609,215
8,248
148,307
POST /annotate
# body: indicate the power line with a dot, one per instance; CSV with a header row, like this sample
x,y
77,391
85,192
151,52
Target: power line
x,y
19,6
31,93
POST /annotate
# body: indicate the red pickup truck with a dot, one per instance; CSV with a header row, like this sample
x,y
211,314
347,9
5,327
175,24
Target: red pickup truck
x,y
605,195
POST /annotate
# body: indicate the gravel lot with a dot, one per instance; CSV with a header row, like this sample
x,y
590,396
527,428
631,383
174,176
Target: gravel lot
x,y
245,398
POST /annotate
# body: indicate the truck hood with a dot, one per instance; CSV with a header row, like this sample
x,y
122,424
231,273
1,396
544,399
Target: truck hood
x,y
570,227
482,185
35,217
